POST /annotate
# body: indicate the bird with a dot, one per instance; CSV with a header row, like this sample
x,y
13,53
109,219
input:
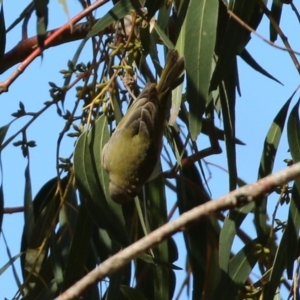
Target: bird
x,y
134,148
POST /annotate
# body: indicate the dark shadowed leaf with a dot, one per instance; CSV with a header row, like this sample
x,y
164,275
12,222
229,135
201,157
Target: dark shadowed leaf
x,y
294,133
132,294
3,131
1,204
246,56
41,10
28,205
2,34
227,99
277,268
292,228
276,10
35,243
79,248
26,12
267,162
232,41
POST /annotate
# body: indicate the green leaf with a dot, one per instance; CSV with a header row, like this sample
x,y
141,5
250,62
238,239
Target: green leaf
x,y
200,28
237,272
164,37
67,221
267,162
93,181
119,11
45,206
228,232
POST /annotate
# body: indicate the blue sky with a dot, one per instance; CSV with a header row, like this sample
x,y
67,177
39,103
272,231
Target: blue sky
x,y
261,100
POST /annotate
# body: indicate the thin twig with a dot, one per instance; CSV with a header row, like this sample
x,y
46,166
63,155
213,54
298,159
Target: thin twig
x,y
240,21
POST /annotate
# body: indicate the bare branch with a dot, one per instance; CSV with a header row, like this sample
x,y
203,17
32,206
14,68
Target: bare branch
x,y
232,200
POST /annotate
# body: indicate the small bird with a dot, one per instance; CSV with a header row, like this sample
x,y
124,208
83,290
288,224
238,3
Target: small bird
x,y
133,150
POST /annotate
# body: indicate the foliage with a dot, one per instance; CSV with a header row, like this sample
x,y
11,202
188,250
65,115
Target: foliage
x,y
72,224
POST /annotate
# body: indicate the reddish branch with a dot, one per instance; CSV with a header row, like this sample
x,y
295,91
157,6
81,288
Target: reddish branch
x,y
234,199
52,38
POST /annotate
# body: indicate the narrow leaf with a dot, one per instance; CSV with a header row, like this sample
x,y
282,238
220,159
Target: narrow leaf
x,y
292,228
246,56
276,10
2,35
201,24
120,10
267,162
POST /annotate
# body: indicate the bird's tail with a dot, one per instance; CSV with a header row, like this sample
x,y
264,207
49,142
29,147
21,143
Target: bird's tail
x,y
170,76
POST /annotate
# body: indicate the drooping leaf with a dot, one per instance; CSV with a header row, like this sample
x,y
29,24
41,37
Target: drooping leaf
x,y
92,181
200,237
41,10
9,263
3,131
227,99
292,228
200,28
232,41
267,162
79,248
237,272
153,6
36,242
28,205
293,132
163,36
157,216
277,269
246,56
276,10
228,232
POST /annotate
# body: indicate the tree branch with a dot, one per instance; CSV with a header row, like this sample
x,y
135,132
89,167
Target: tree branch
x,y
232,200
49,41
